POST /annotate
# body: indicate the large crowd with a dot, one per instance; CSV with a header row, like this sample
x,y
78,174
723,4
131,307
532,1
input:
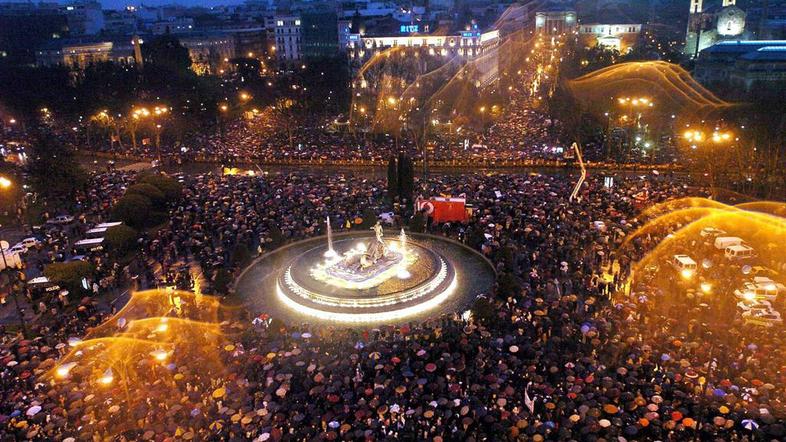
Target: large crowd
x,y
524,133
563,351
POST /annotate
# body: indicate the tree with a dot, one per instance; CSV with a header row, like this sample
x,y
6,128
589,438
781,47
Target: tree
x,y
53,171
149,191
165,53
134,210
169,186
69,275
406,179
392,179
285,115
120,239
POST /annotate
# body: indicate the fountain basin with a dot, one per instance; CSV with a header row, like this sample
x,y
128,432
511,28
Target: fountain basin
x,y
443,276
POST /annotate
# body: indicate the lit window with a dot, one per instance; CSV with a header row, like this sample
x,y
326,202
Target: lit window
x,y
280,23
297,22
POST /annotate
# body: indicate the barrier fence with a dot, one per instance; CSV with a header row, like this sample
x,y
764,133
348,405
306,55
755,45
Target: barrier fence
x,y
446,164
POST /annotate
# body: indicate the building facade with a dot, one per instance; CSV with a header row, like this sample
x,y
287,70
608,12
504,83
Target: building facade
x,y
555,21
209,53
466,45
621,37
287,38
742,65
707,26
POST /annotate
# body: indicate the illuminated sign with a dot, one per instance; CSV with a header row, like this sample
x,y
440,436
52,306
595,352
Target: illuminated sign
x,y
407,29
469,34
354,37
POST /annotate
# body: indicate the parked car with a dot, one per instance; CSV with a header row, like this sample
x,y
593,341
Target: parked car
x,y
763,271
746,305
739,252
30,242
722,242
711,232
18,248
762,317
61,219
760,288
684,264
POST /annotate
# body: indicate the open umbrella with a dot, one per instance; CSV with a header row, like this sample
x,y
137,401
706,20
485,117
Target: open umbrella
x,y
750,424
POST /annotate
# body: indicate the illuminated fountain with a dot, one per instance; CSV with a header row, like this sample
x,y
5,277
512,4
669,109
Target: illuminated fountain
x,y
365,277
330,253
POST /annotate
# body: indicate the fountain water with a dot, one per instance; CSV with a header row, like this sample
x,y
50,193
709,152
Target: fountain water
x,y
330,252
402,272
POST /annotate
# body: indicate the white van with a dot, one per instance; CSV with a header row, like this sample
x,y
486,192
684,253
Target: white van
x,y
740,251
684,264
89,245
722,242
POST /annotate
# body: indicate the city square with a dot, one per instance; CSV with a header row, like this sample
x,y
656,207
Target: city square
x,y
438,221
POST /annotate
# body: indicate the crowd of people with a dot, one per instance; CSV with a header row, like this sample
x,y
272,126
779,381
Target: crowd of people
x,y
562,350
524,133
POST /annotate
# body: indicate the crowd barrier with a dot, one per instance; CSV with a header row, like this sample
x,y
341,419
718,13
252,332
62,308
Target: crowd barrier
x,y
436,164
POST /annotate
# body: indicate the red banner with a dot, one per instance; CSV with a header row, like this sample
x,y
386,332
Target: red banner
x,y
444,209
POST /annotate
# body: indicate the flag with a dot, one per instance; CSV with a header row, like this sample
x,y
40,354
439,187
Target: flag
x,y
529,402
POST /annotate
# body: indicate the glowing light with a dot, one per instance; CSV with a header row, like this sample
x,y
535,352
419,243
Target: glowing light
x,y
159,355
63,370
749,296
107,378
706,287
5,183
162,326
73,342
686,274
392,315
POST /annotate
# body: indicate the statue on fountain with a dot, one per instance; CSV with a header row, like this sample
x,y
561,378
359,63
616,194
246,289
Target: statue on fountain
x,y
376,251
366,264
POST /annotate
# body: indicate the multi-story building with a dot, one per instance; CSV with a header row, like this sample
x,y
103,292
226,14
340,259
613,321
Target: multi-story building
x,y
619,36
209,52
287,38
466,44
709,25
742,64
123,22
555,20
344,30
174,25
85,17
80,53
26,26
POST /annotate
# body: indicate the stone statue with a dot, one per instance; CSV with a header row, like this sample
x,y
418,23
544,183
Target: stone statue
x,y
376,251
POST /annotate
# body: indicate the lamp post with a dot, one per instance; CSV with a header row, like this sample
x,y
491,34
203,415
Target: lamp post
x,y
698,138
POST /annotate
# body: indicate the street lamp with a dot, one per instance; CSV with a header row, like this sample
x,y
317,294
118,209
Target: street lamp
x,y
244,96
5,183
